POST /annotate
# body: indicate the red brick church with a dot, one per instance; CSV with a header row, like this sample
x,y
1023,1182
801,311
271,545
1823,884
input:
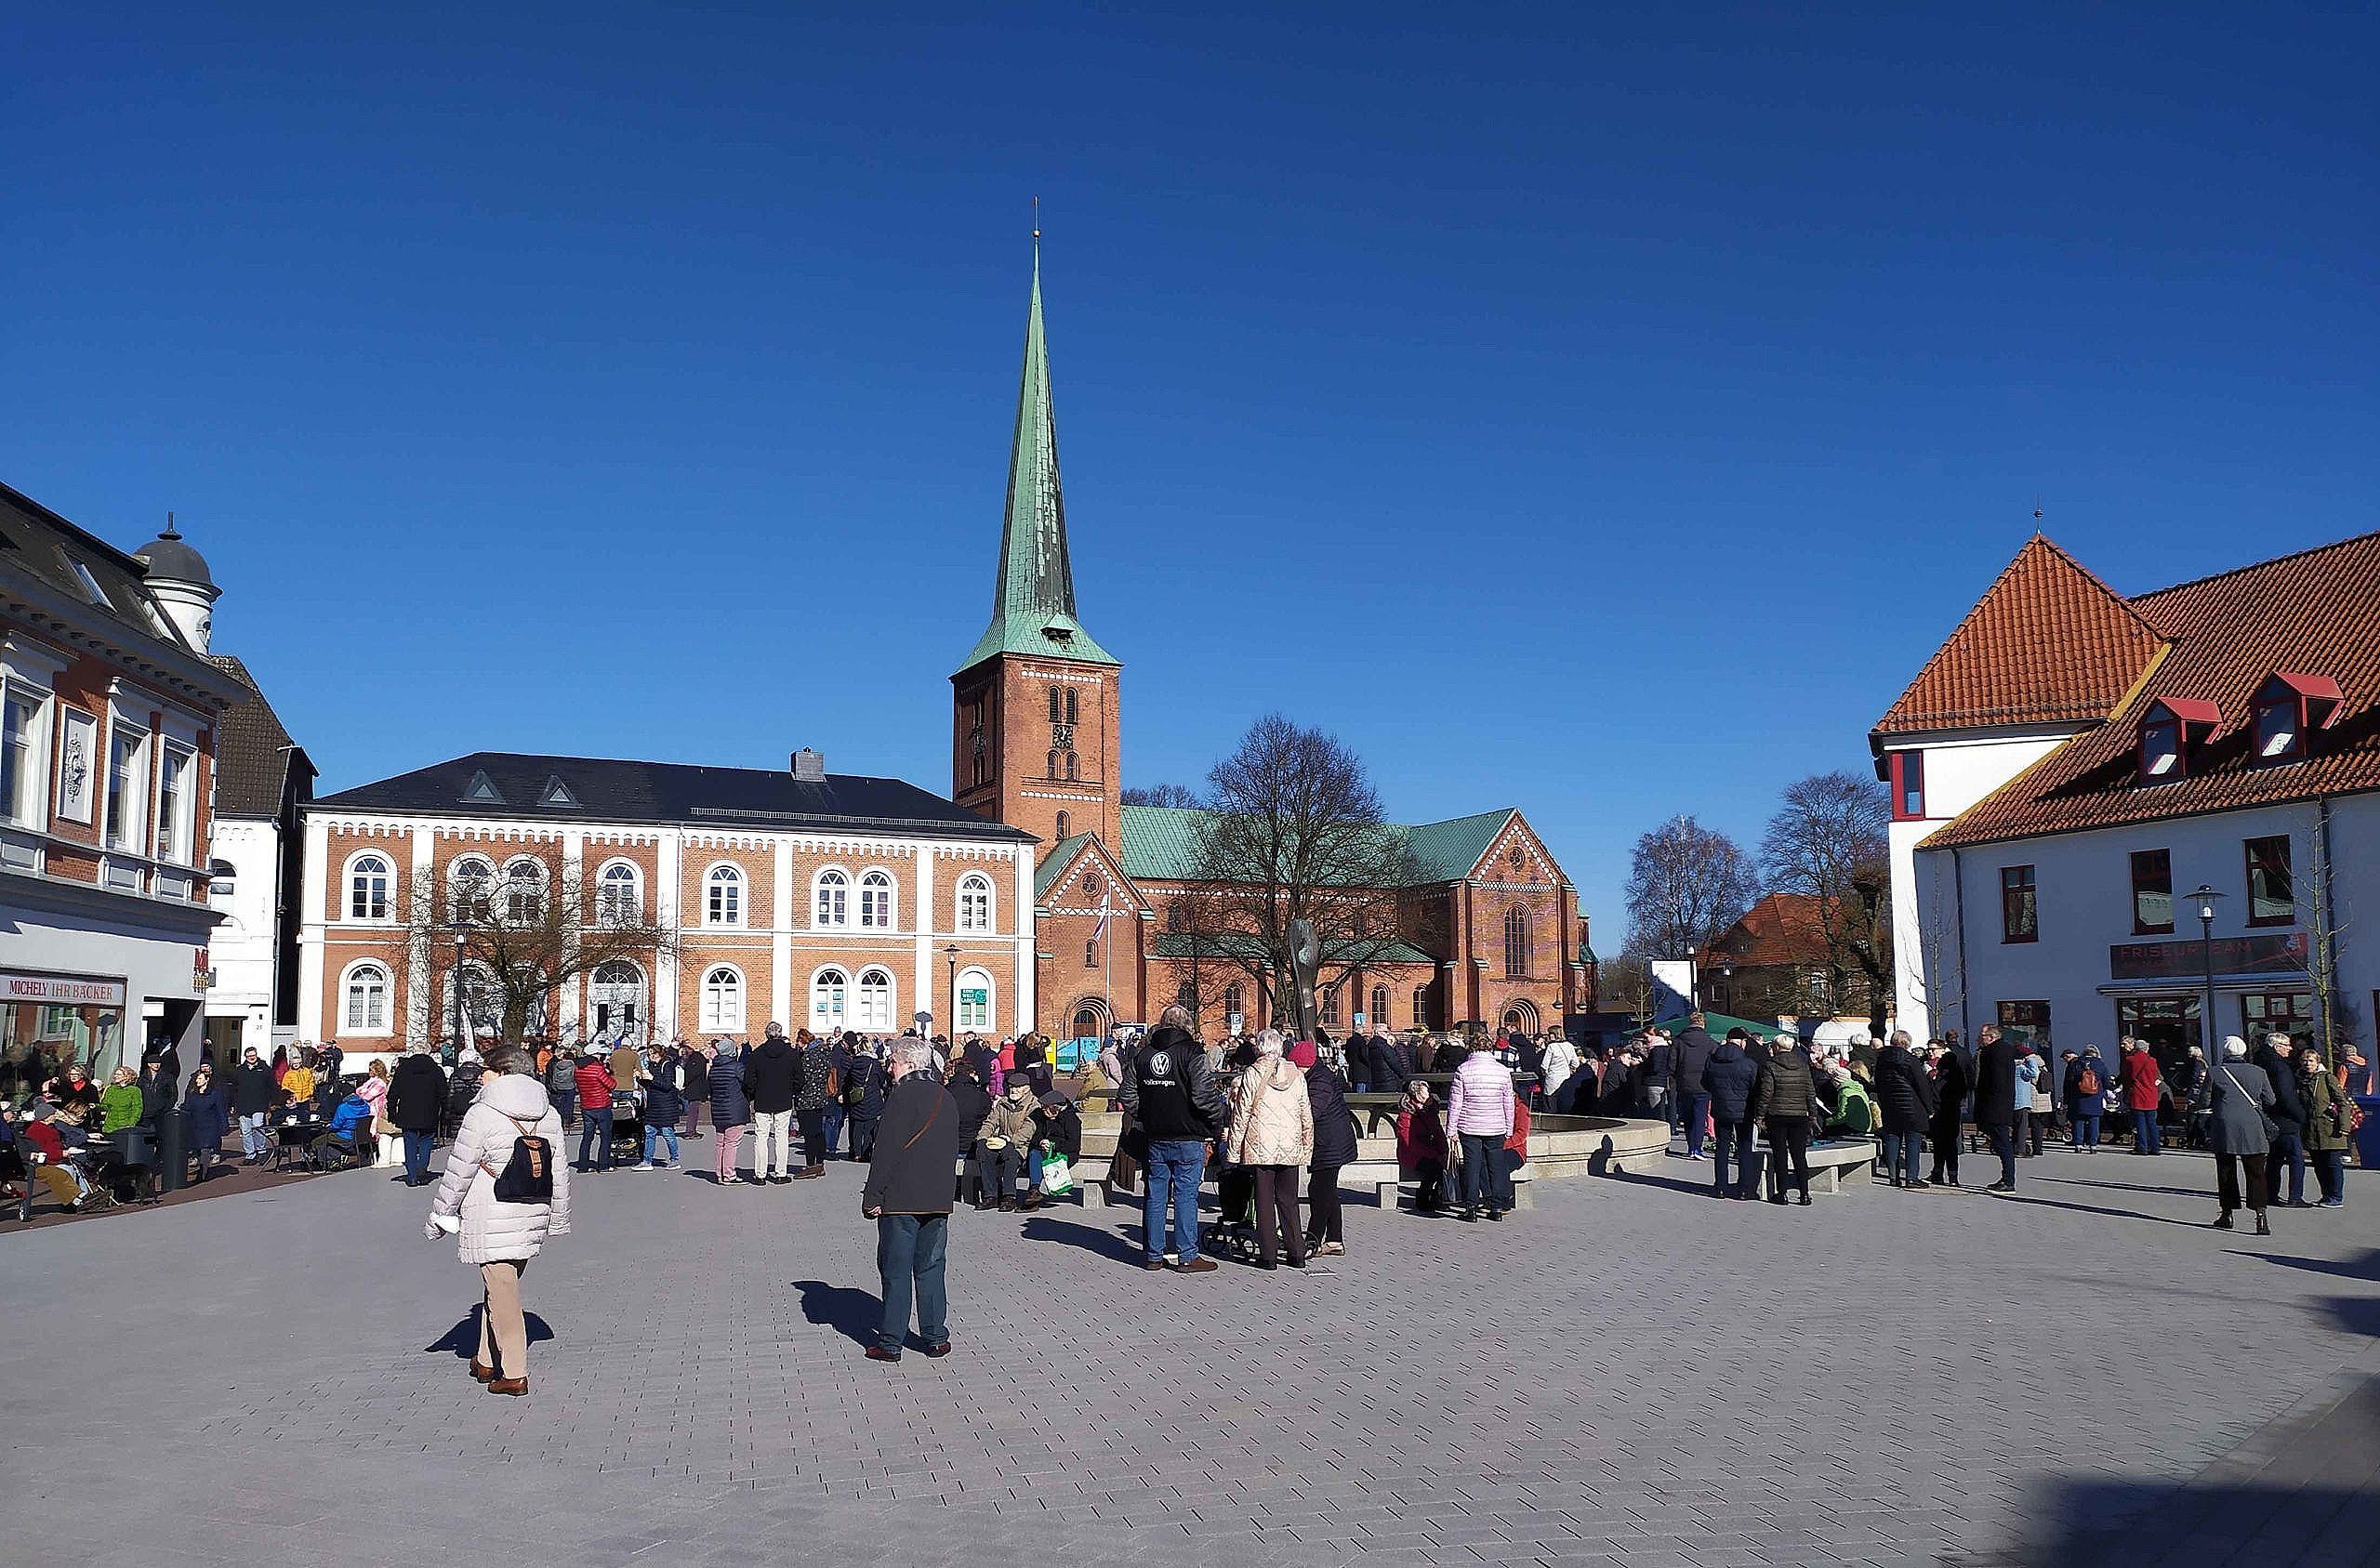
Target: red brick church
x,y
1489,927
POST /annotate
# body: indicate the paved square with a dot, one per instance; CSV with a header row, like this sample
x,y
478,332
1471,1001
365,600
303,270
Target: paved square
x,y
1630,1374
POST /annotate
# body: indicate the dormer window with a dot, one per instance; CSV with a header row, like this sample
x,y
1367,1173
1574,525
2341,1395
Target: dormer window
x,y
2168,730
2288,707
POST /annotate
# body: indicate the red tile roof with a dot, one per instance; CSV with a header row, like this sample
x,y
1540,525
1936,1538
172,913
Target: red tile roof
x,y
2315,613
1780,928
2048,643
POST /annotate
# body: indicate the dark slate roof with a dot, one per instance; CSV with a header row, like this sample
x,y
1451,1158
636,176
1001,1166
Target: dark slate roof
x,y
36,540
251,764
169,556
605,790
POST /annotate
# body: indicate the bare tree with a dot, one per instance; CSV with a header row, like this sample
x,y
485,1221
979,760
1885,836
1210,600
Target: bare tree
x,y
1688,883
1624,985
1292,830
2333,1016
516,943
1181,797
1827,842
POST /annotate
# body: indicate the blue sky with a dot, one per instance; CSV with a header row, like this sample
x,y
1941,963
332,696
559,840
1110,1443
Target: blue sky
x,y
1597,410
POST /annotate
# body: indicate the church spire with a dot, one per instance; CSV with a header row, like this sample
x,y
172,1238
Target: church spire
x,y
1033,601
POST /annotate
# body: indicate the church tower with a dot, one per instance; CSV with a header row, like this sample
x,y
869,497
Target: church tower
x,y
1034,731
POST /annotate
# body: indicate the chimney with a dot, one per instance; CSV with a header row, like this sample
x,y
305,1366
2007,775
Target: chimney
x,y
809,767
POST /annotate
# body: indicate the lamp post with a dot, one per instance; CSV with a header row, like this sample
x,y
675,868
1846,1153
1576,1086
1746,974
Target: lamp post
x,y
1693,983
1726,988
458,994
951,952
2203,900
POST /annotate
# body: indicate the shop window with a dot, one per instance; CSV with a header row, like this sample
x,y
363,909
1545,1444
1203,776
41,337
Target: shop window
x,y
2024,1020
2277,1012
2019,915
2272,899
2153,891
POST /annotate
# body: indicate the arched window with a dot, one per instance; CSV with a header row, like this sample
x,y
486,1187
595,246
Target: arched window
x,y
1380,1007
975,1004
1231,1001
1053,705
722,999
1186,996
830,900
367,889
875,1001
366,991
974,903
1054,764
482,1002
1330,1004
468,883
1070,706
1066,824
875,902
827,989
617,898
615,999
723,896
1070,766
1516,942
524,892
1420,1006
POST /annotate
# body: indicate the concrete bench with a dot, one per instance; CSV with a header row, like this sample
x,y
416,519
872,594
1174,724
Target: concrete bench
x,y
1385,1180
1840,1160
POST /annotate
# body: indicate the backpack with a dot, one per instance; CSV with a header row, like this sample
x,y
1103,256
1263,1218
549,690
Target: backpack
x,y
2086,1083
528,1176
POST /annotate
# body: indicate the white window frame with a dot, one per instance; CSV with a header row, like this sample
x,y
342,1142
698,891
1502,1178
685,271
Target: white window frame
x,y
608,909
506,885
388,894
722,894
455,868
642,982
878,888
33,781
821,1019
718,1019
178,827
978,905
830,894
135,790
978,1022
350,978
877,1021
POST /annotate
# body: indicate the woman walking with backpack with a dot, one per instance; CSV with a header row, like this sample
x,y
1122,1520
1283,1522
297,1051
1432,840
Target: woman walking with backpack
x,y
506,1191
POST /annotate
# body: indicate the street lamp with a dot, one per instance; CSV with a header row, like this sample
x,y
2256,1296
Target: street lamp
x,y
2203,900
1693,983
458,994
952,951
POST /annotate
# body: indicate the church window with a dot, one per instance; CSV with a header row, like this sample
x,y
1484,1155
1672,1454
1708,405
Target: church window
x,y
1070,708
1066,824
1055,712
1054,764
1071,771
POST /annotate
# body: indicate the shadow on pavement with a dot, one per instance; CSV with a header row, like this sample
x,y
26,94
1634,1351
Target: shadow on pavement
x,y
463,1340
1111,1245
2366,1267
2029,1201
851,1313
2126,1186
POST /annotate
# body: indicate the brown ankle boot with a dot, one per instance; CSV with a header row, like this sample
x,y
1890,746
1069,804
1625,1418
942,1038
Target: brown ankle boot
x,y
482,1372
516,1386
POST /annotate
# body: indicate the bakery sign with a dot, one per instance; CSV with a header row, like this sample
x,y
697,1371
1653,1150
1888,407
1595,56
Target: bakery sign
x,y
60,991
2277,952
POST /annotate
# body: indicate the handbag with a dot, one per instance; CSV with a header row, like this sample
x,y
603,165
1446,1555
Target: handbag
x,y
2272,1128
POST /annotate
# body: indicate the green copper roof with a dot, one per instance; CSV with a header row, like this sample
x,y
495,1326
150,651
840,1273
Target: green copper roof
x,y
1053,864
1235,946
1033,603
1161,843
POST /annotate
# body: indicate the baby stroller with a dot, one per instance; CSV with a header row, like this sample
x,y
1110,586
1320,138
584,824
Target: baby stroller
x,y
1234,1232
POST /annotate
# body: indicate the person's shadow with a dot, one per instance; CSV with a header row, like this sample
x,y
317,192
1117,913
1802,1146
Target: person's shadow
x,y
853,1313
1111,1245
463,1340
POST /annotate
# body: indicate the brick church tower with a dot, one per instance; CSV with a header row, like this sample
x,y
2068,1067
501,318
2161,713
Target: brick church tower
x,y
1034,728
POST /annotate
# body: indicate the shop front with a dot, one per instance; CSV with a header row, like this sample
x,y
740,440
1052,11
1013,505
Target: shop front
x,y
2160,991
97,977
48,1022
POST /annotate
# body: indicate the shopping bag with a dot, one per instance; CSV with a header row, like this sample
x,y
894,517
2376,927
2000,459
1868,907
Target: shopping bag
x,y
1057,1175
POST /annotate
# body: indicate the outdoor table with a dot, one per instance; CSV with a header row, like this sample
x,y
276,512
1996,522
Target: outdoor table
x,y
296,1137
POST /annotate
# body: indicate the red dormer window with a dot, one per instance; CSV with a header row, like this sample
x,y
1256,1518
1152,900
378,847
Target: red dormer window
x,y
2290,706
2168,730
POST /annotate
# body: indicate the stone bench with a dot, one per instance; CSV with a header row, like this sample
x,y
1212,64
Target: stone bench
x,y
1840,1160
1385,1178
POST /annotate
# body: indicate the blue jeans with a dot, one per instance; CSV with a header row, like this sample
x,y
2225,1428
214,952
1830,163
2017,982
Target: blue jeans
x,y
2144,1131
1176,1166
1486,1182
2003,1143
594,1124
1901,1154
2291,1148
1730,1145
2086,1131
654,1136
1697,1107
831,1120
416,1157
910,1252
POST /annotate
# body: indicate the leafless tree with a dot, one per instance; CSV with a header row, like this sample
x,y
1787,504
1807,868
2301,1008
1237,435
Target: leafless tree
x,y
1624,985
1688,883
2334,1016
517,943
1827,842
1292,830
1178,796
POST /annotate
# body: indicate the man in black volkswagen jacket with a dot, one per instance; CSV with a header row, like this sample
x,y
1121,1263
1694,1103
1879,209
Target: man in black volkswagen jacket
x,y
1174,1099
908,1195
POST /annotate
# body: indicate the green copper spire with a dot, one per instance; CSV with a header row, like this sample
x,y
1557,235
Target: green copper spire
x,y
1033,603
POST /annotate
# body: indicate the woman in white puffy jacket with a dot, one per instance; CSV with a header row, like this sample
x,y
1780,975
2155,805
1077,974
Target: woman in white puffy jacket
x,y
498,1237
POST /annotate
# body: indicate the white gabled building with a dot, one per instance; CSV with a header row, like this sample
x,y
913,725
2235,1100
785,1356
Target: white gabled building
x,y
2071,765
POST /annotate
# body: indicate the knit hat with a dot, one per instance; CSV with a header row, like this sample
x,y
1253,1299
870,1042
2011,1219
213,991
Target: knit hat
x,y
1303,1053
2234,1047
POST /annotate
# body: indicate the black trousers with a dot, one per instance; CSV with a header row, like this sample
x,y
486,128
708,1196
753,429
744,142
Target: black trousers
x,y
1276,1213
1789,1138
2227,1180
814,1135
862,1136
1944,1137
1322,1196
2003,1143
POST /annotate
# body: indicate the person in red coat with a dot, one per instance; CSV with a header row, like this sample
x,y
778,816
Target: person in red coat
x,y
2141,1083
595,1086
1422,1145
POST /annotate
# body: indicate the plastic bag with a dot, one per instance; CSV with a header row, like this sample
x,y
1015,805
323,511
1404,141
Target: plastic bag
x,y
1057,1175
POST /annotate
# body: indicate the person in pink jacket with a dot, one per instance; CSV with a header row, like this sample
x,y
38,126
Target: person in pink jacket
x,y
1479,1117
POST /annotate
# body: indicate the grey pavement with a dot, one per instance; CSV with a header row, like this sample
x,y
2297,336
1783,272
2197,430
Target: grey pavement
x,y
1630,1374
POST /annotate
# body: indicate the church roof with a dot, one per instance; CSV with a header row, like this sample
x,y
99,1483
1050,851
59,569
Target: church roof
x,y
1033,601
1161,843
1054,863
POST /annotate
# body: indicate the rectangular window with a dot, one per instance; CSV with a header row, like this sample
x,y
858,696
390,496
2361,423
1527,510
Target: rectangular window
x,y
2018,915
176,806
127,789
2277,1012
2153,891
2168,1023
1909,786
23,776
2024,1020
2272,899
